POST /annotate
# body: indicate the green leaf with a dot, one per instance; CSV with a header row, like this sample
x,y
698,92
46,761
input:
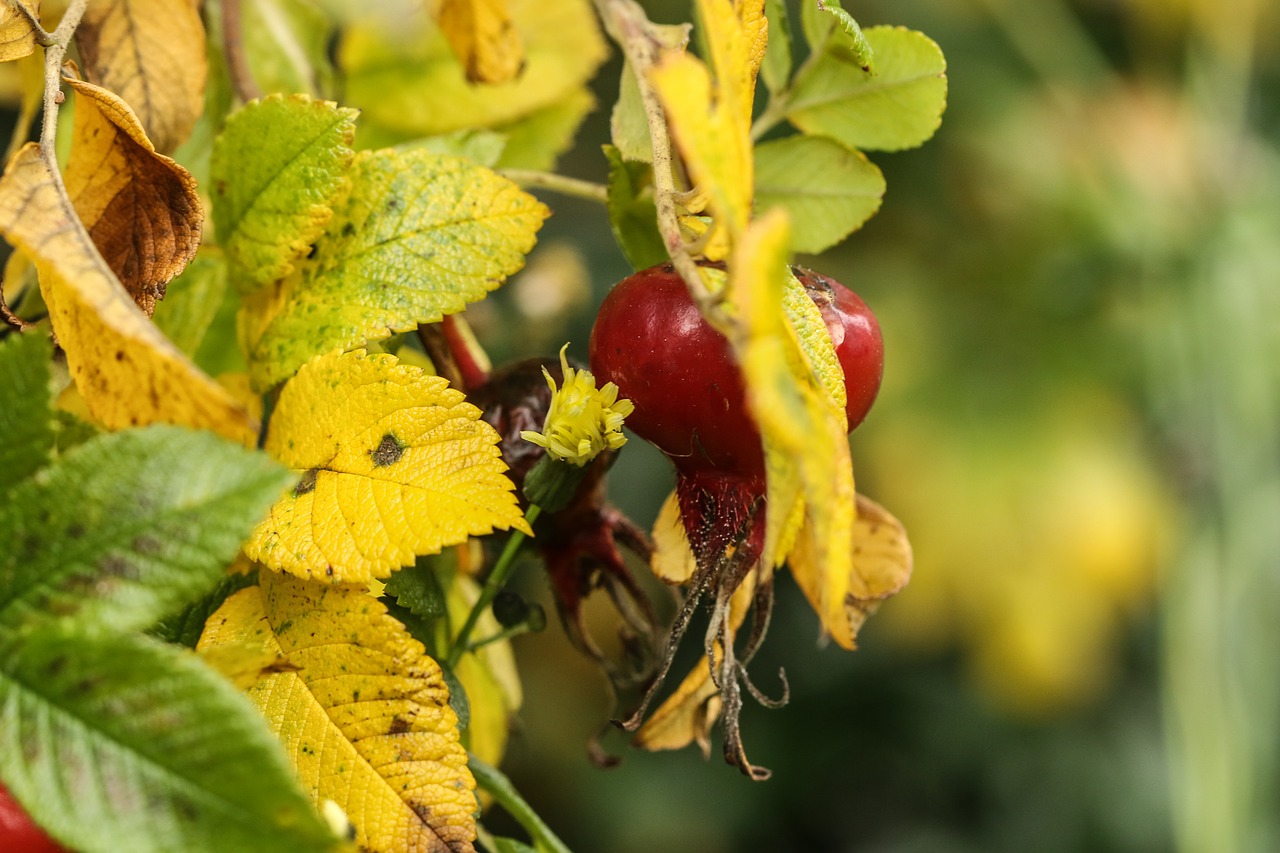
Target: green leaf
x,y
278,167
510,845
538,139
286,43
417,589
71,431
129,526
632,215
26,417
628,127
184,627
121,743
776,67
899,106
836,30
219,350
482,147
419,237
192,299
827,190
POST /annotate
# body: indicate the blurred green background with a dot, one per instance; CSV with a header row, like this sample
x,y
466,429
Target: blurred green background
x,y
1079,284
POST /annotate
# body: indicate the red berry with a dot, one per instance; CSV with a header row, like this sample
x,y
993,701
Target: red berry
x,y
650,339
18,833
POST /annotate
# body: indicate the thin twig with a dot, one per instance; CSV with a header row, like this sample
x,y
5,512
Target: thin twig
x,y
562,184
241,76
497,785
54,53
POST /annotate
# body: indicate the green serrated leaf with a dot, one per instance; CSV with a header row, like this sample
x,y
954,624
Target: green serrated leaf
x,y
121,743
417,589
775,70
184,627
420,236
26,417
632,214
828,26
537,140
899,106
129,526
191,300
827,190
278,167
511,845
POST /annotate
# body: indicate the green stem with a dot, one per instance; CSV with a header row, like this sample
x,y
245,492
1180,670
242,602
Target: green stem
x,y
494,585
495,782
558,183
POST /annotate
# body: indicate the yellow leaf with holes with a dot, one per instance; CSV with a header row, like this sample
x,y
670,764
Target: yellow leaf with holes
x,y
881,566
127,371
140,207
17,35
152,54
483,37
395,463
709,108
365,719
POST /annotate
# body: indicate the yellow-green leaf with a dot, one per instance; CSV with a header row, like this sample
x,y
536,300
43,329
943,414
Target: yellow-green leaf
x,y
365,719
17,35
140,207
127,371
898,106
483,37
395,464
827,189
152,54
406,81
881,566
419,236
278,167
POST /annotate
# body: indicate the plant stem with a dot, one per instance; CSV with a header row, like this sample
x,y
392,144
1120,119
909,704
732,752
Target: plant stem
x,y
241,76
55,50
494,585
628,25
558,183
495,782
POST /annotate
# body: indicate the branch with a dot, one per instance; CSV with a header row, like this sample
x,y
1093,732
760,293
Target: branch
x,y
628,25
246,88
55,50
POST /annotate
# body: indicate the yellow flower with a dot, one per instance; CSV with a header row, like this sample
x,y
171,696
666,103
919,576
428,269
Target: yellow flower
x,y
583,421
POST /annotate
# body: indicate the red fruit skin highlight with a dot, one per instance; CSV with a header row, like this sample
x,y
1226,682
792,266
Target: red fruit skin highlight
x,y
651,341
18,833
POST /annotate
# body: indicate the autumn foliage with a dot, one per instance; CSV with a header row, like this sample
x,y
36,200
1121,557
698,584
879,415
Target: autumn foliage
x,y
255,524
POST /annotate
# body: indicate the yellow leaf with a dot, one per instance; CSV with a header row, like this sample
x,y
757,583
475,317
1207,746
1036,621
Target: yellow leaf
x,y
396,464
17,35
709,109
365,720
141,208
880,566
127,371
152,54
245,664
673,561
483,37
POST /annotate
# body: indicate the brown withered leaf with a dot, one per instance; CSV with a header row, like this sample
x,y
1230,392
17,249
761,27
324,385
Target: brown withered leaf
x,y
17,35
152,54
483,37
128,372
140,207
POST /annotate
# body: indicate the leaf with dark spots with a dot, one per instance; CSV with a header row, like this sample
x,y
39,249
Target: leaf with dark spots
x,y
307,484
388,451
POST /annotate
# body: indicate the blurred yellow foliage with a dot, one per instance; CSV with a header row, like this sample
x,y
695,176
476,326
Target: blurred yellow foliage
x,y
1035,541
